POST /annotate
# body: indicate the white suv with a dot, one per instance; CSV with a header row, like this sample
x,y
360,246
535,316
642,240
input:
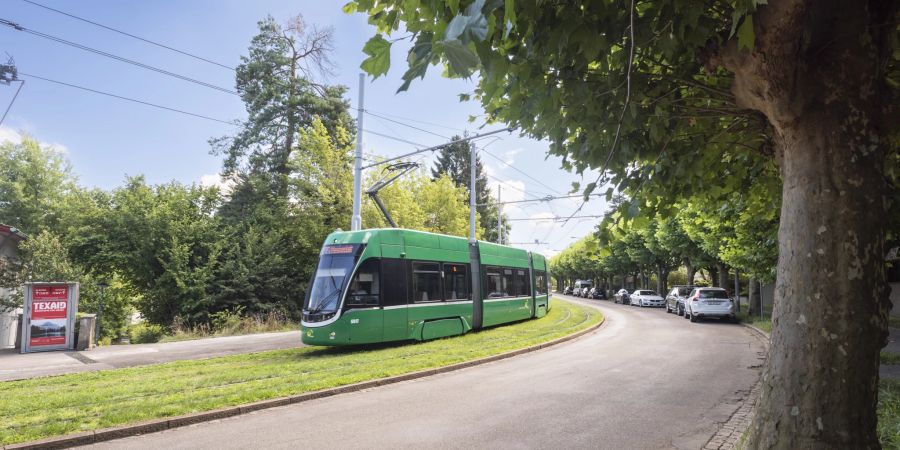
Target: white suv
x,y
702,303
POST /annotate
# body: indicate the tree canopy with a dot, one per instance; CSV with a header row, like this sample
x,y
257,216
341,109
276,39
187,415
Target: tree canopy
x,y
677,101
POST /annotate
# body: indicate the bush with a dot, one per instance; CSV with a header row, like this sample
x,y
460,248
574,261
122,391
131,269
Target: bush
x,y
145,333
227,322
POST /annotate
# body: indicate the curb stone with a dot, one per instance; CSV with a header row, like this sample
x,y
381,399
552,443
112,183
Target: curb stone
x,y
151,426
731,432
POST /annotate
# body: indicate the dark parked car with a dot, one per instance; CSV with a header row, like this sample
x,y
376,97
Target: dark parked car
x,y
567,290
597,294
675,299
622,297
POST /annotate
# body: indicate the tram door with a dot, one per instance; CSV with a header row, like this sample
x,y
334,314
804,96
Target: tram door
x,y
393,298
364,311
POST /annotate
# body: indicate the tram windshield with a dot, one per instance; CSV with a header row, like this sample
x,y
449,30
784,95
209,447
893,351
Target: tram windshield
x,y
335,265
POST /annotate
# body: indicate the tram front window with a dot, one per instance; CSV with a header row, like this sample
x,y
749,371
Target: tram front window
x,y
335,264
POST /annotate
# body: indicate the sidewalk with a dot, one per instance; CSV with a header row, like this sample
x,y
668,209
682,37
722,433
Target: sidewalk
x,y
17,366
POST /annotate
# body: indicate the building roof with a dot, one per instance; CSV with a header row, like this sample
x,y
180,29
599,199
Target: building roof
x,y
13,232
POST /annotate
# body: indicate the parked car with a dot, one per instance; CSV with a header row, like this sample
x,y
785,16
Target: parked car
x,y
597,294
622,297
705,303
675,299
585,292
643,297
567,290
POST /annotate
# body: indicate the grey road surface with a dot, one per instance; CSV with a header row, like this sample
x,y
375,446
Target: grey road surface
x,y
16,366
645,380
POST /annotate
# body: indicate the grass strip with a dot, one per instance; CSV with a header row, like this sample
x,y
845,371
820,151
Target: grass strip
x,y
889,413
763,323
890,357
51,406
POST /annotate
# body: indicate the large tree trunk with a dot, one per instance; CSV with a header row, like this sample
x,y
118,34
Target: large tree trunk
x,y
755,298
662,280
723,282
713,276
816,73
691,271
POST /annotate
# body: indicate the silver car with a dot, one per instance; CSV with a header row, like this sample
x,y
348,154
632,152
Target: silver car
x,y
704,303
644,298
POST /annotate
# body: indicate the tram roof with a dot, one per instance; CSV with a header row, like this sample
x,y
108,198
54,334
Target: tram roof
x,y
421,238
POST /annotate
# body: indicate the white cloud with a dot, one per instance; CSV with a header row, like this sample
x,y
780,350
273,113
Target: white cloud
x,y
510,191
509,156
217,180
8,134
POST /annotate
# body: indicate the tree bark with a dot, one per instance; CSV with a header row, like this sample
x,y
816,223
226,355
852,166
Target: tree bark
x,y
723,282
755,298
713,276
691,271
662,280
816,74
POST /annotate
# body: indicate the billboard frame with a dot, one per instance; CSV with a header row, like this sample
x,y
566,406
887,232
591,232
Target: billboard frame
x,y
71,312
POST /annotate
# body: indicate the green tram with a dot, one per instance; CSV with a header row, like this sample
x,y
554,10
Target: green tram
x,y
383,285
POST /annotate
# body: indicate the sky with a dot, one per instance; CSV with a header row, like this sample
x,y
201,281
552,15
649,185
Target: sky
x,y
108,139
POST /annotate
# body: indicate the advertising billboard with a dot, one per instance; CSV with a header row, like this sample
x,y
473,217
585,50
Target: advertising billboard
x,y
50,316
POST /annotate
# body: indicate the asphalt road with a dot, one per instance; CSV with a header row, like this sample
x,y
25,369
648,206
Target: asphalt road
x,y
17,366
645,380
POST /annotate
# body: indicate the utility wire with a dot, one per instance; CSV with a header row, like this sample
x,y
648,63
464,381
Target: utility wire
x,y
460,130
18,27
556,219
130,35
506,183
520,171
406,125
548,198
16,95
612,148
387,136
128,99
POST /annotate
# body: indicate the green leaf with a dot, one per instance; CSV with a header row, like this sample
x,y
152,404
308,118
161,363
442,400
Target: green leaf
x,y
454,6
509,14
349,8
379,60
462,60
746,36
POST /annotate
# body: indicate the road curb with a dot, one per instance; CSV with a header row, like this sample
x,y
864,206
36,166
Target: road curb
x,y
732,431
152,426
757,331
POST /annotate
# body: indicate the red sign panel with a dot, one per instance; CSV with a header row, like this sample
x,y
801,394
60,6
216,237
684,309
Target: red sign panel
x,y
49,315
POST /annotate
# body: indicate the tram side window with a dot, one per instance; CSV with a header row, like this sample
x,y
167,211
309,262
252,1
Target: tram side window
x,y
494,282
518,289
426,282
509,286
540,283
456,286
520,284
365,288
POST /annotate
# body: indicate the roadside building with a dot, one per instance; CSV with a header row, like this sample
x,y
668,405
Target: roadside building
x,y
10,237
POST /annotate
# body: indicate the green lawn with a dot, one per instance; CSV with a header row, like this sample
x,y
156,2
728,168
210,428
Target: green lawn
x,y
889,413
39,408
890,357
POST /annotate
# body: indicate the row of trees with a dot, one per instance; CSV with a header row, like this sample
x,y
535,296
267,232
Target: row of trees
x,y
680,105
184,252
737,233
